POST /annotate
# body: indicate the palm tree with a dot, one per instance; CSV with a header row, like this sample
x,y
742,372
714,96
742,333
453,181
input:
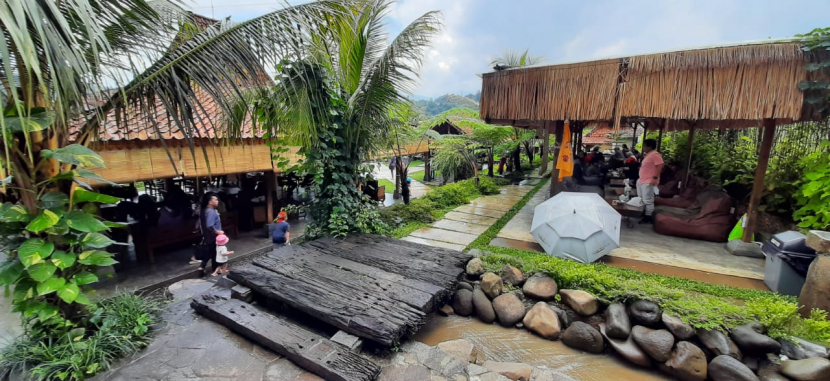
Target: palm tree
x,y
336,102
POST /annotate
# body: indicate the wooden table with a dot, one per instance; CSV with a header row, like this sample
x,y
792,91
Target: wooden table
x,y
627,211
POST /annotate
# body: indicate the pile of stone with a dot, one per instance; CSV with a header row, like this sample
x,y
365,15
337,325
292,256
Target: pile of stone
x,y
640,331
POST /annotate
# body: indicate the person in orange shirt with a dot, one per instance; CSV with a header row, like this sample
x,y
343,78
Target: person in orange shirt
x,y
650,168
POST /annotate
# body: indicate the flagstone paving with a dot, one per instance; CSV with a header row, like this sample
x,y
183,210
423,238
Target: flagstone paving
x,y
464,224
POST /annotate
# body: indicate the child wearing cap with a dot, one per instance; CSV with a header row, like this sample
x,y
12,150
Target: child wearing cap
x,y
222,254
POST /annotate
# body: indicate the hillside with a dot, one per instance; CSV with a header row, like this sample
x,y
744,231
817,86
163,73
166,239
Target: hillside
x,y
433,107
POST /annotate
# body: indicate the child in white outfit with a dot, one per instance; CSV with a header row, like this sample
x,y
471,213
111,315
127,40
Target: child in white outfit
x,y
222,254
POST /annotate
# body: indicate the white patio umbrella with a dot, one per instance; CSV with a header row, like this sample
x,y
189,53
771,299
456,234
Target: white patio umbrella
x,y
578,226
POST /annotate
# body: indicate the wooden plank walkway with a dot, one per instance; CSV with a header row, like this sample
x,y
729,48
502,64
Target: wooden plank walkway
x,y
308,350
373,287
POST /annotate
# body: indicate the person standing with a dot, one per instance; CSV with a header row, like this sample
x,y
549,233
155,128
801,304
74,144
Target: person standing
x,y
650,168
280,234
222,253
211,226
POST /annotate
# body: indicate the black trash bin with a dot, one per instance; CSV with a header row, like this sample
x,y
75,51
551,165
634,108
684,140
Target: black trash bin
x,y
788,259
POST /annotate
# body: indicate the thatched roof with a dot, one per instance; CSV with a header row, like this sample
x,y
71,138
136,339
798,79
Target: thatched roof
x,y
735,85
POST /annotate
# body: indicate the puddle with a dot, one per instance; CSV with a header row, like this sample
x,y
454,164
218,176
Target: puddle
x,y
514,345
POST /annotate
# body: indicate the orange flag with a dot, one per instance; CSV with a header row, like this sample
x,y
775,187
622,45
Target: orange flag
x,y
565,163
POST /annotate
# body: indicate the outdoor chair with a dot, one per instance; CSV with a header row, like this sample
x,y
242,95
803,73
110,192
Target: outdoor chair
x,y
710,219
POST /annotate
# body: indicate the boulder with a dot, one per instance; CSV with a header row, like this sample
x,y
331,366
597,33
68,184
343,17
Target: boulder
x,y
462,302
475,267
819,241
677,327
566,315
800,349
617,324
816,290
509,309
483,307
645,313
718,343
542,321
657,343
513,370
446,310
687,362
813,369
460,349
626,348
752,342
580,301
771,372
540,287
752,363
512,276
464,286
727,368
582,336
491,285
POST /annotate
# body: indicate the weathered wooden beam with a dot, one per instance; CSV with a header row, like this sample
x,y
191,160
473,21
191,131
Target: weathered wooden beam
x,y
758,185
689,147
545,147
308,350
554,174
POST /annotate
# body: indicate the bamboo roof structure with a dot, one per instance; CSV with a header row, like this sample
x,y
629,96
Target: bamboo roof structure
x,y
730,86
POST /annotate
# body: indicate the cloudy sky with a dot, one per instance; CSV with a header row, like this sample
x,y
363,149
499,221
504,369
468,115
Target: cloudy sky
x,y
475,31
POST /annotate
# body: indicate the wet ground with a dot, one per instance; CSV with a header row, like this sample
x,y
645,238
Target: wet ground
x,y
643,249
513,345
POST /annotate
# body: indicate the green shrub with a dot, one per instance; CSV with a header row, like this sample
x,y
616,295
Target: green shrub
x,y
814,194
418,210
115,327
488,185
454,194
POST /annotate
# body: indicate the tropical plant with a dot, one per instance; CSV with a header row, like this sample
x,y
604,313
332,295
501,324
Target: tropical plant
x,y
487,136
455,156
814,194
817,92
334,100
515,58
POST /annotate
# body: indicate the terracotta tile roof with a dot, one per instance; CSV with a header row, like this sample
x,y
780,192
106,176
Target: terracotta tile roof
x,y
601,134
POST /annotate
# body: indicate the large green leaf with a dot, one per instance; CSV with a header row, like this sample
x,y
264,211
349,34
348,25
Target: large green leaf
x,y
62,259
84,222
60,229
15,213
75,154
96,258
54,200
24,289
47,312
83,195
87,174
82,299
41,271
69,292
96,241
46,219
50,285
34,251
85,277
10,272
35,122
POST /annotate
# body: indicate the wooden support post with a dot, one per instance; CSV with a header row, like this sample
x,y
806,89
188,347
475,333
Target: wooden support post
x,y
634,140
270,183
427,173
581,135
555,185
545,148
645,132
758,185
660,136
689,147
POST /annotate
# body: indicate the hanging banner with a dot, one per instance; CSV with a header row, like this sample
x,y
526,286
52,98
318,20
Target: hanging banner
x,y
565,163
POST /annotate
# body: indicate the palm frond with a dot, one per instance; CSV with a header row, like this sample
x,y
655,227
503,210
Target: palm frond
x,y
515,58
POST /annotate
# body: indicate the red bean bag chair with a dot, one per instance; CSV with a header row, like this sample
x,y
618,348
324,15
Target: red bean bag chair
x,y
712,222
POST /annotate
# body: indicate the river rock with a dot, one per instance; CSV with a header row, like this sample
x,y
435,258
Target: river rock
x,y
718,343
626,348
483,307
509,309
491,285
657,343
727,368
800,349
542,321
813,369
475,267
460,349
512,276
582,336
580,301
464,286
446,310
677,327
462,302
617,324
751,362
566,315
645,313
540,287
771,372
816,290
513,370
752,342
687,362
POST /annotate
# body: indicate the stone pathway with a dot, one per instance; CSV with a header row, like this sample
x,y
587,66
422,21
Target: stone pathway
x,y
465,223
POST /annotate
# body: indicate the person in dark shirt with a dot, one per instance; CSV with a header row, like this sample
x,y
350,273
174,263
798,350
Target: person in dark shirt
x,y
280,234
210,226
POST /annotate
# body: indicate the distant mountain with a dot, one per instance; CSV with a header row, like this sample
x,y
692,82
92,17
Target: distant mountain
x,y
433,107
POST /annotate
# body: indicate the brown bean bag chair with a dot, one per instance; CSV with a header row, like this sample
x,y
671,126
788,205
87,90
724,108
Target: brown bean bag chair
x,y
712,222
684,200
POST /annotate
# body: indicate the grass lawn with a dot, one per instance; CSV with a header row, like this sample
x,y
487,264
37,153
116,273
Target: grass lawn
x,y
416,162
419,176
390,186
